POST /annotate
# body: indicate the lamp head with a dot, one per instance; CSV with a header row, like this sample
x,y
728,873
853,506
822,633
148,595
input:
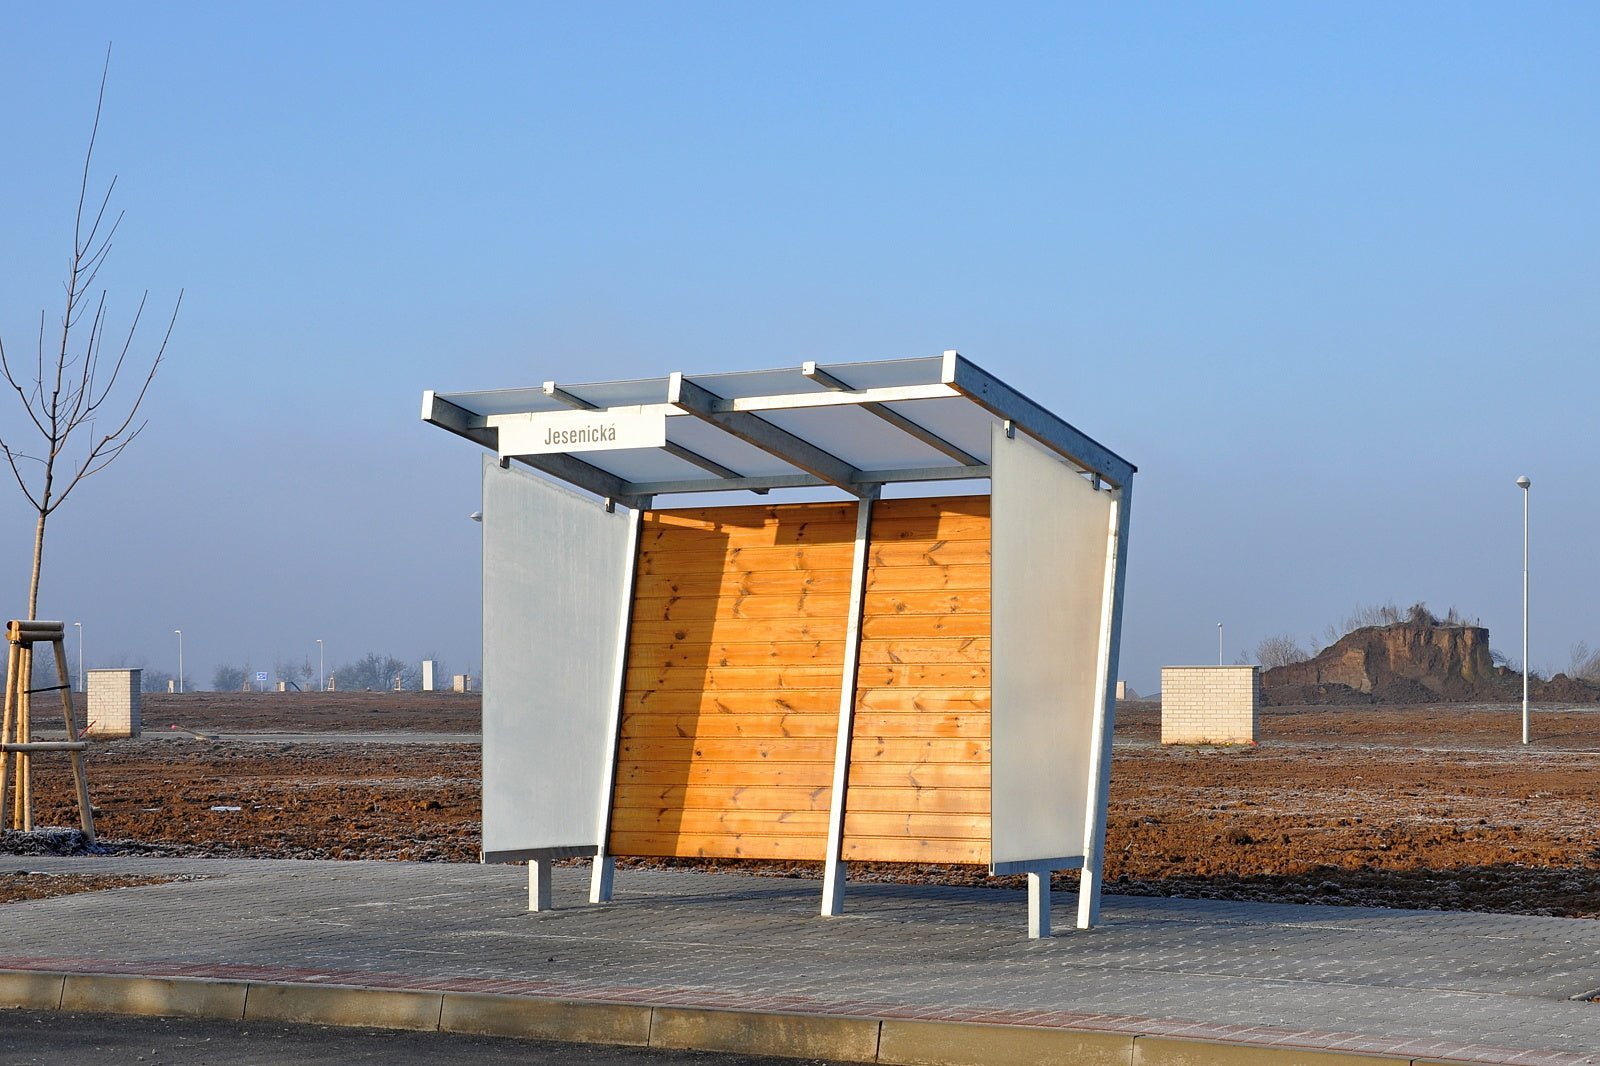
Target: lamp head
x,y
1523,482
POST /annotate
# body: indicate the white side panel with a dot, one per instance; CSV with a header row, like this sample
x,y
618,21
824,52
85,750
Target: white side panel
x,y
1050,529
555,569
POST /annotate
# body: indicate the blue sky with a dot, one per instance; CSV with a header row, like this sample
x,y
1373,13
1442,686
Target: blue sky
x,y
1328,274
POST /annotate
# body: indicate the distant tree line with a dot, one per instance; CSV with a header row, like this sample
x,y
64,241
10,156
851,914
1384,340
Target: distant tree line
x,y
372,672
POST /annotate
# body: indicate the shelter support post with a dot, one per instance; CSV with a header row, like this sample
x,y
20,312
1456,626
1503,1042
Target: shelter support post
x,y
835,871
539,898
604,868
602,875
1038,904
1039,875
1093,874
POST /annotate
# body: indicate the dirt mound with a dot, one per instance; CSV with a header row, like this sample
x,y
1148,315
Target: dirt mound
x,y
1407,662
1411,662
1331,694
1559,689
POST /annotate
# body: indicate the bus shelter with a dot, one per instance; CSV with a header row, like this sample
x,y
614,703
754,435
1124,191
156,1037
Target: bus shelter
x,y
919,677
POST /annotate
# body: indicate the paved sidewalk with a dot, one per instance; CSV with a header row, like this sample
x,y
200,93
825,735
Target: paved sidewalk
x,y
1454,986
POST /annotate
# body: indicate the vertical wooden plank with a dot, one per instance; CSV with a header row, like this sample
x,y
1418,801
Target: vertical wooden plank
x,y
736,643
25,735
12,662
920,761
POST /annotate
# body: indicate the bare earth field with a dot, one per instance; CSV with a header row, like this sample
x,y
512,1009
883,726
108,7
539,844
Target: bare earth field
x,y
1432,806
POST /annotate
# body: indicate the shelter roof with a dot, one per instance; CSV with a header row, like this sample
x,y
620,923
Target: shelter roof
x,y
853,426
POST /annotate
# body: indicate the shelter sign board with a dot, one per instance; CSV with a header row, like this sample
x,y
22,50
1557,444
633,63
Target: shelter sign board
x,y
550,432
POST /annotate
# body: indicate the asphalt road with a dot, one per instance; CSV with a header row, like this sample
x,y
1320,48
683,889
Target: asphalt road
x,y
49,1038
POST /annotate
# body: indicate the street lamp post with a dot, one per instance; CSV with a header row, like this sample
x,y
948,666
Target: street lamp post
x,y
180,658
322,678
1524,484
1219,643
83,682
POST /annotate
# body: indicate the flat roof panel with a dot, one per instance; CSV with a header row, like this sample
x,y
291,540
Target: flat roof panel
x,y
724,448
644,464
943,404
859,437
503,401
956,419
887,373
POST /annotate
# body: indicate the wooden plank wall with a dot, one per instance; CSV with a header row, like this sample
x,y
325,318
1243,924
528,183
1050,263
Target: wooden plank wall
x,y
735,657
731,702
919,764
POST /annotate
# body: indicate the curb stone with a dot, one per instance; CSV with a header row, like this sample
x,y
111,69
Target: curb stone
x,y
899,1041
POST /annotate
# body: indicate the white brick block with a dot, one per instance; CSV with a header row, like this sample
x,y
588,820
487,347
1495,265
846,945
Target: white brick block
x,y
115,703
1210,704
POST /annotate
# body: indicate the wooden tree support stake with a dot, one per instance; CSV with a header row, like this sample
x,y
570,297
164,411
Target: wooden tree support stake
x,y
16,729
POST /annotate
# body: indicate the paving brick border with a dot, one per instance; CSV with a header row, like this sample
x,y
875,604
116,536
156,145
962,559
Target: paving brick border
x,y
646,1018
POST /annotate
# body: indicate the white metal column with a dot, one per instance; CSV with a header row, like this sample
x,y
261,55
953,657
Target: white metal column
x,y
539,898
834,872
1093,873
1039,904
604,867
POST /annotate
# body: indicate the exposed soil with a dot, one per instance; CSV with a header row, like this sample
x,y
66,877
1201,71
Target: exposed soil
x,y
1435,806
17,885
312,712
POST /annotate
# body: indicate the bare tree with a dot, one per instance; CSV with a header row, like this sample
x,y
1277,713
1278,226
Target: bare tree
x,y
1280,651
74,372
1584,663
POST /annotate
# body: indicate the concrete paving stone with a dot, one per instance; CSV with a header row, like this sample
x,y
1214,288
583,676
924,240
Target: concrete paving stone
x,y
918,951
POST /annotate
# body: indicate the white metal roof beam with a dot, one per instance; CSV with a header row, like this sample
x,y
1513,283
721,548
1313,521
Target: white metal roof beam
x,y
865,478
442,413
707,406
989,392
894,418
795,401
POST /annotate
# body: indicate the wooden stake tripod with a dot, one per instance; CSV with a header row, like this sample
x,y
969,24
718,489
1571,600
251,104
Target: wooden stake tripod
x,y
16,735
